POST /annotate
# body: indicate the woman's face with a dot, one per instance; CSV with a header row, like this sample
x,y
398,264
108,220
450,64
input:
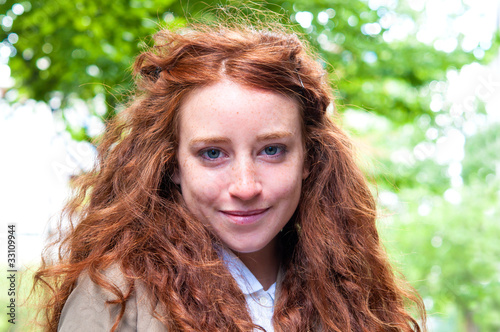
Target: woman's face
x,y
241,162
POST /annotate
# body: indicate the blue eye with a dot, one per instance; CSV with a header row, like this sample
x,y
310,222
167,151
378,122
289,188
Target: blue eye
x,y
211,154
272,150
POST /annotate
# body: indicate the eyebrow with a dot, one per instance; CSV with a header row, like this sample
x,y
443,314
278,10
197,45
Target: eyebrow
x,y
274,135
222,139
209,140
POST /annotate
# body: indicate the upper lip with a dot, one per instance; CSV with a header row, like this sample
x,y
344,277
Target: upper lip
x,y
244,212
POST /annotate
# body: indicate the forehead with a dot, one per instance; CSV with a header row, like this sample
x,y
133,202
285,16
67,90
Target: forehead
x,y
225,105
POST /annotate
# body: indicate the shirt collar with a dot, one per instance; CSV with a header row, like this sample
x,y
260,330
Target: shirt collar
x,y
243,276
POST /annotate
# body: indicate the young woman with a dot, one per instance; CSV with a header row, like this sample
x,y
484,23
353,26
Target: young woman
x,y
225,199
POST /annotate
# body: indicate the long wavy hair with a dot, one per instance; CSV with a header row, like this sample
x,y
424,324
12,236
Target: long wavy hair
x,y
128,211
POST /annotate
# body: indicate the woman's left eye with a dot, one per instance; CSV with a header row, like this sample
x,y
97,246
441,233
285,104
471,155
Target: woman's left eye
x,y
273,150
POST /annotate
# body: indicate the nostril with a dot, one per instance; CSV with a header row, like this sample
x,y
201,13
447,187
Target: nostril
x,y
245,183
245,188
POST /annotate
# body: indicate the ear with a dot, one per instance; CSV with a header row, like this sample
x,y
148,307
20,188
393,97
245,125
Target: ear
x,y
305,171
176,177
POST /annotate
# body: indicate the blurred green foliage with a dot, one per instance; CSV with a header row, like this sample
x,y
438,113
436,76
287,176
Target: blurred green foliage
x,y
91,45
84,49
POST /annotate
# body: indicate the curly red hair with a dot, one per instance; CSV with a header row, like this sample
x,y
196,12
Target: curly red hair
x,y
129,212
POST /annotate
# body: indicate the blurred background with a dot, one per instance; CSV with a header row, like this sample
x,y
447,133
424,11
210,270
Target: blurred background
x,y
417,87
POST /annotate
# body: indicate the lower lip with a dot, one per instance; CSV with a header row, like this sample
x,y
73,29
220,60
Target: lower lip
x,y
245,219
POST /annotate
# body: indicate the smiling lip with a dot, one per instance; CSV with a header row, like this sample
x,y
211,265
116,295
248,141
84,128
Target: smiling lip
x,y
245,217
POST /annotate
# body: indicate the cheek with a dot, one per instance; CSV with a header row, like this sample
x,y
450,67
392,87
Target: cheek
x,y
286,185
199,186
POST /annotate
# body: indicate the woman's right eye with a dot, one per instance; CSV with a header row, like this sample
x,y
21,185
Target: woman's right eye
x,y
211,154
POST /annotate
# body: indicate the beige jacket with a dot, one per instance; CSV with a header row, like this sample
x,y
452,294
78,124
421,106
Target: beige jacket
x,y
86,309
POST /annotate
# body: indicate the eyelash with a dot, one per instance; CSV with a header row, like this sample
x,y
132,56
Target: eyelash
x,y
281,150
205,151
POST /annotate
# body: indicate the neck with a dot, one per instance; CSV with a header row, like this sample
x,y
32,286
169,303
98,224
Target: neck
x,y
264,264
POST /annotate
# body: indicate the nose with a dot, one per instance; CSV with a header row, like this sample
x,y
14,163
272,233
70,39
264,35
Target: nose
x,y
244,182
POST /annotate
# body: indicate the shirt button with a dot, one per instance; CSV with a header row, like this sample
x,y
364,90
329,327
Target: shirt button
x,y
263,300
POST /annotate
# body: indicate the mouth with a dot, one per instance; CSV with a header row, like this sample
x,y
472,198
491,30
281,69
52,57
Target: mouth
x,y
245,217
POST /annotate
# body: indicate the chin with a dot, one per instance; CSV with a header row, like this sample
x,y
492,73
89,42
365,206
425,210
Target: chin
x,y
245,248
